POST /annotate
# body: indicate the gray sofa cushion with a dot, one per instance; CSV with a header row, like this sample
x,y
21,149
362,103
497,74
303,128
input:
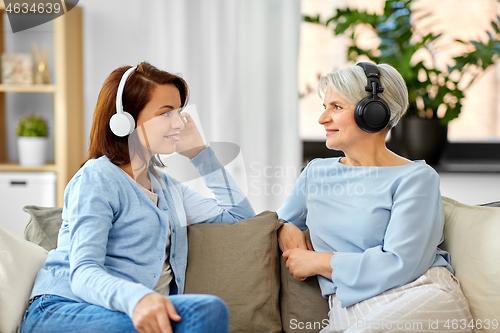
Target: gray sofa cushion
x,y
303,308
43,227
240,264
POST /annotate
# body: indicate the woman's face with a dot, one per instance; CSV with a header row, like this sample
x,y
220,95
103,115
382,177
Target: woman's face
x,y
159,123
338,120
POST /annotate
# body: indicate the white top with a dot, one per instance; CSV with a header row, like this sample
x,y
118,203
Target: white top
x,y
163,285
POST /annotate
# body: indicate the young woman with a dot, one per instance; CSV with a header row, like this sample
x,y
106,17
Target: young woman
x,y
122,249
374,217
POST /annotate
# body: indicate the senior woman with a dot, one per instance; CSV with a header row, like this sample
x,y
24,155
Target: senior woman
x,y
375,218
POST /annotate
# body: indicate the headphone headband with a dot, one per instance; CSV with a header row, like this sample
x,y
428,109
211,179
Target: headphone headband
x,y
121,86
373,76
122,123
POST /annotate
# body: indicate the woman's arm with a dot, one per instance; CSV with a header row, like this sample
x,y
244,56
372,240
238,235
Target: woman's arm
x,y
414,231
294,212
90,207
230,203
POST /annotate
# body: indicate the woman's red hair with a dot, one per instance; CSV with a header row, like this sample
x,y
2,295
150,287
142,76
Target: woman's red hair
x,y
136,94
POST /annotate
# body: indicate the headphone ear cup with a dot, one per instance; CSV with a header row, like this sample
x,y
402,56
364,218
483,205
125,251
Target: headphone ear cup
x,y
122,124
372,114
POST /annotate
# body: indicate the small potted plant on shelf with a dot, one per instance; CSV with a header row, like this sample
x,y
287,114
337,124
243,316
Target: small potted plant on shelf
x,y
435,92
32,140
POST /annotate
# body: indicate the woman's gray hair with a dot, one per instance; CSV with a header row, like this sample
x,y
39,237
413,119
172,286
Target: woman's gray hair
x,y
350,83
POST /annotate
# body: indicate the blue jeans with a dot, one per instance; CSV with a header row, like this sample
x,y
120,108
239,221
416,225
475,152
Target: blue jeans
x,y
51,313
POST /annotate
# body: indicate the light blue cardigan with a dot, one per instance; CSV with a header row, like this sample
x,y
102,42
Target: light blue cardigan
x,y
112,242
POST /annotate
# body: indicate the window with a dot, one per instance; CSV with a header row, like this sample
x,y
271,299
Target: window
x,y
321,52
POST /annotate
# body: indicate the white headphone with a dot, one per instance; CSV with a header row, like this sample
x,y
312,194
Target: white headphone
x,y
122,123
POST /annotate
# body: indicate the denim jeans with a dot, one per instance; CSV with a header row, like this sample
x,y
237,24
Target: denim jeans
x,y
51,313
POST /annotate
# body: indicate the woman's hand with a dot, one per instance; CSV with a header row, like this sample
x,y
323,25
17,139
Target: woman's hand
x,y
153,314
304,263
190,141
291,237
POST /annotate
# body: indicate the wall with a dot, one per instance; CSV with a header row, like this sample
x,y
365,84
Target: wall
x,y
114,37
470,188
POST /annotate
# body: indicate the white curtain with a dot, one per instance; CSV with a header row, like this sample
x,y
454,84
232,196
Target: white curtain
x,y
240,59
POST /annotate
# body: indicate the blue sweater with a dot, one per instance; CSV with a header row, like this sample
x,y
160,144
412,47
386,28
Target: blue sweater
x,y
112,242
383,224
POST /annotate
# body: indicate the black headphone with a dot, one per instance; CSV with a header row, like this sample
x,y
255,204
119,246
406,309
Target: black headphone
x,y
372,114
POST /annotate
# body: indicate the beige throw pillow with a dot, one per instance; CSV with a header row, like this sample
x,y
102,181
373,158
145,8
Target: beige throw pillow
x,y
240,264
472,237
20,261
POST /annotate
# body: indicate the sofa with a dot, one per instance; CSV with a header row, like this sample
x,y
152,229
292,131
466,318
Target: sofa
x,y
241,263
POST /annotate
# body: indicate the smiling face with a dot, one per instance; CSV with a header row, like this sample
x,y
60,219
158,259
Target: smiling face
x,y
160,120
338,120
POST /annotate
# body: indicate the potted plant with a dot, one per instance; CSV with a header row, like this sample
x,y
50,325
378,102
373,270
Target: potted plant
x,y
435,93
32,140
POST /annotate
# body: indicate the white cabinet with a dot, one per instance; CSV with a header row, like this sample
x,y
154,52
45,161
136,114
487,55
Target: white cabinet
x,y
18,189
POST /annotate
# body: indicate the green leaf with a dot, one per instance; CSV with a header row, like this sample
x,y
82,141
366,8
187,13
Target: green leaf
x,y
311,19
495,26
476,43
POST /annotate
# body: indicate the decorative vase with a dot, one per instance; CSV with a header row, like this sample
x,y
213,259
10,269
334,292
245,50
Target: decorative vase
x,y
32,150
419,139
424,139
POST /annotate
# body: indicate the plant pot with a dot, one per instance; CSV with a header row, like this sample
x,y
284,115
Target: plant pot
x,y
419,139
32,150
424,139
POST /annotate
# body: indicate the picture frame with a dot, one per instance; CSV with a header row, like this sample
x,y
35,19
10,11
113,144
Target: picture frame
x,y
17,68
